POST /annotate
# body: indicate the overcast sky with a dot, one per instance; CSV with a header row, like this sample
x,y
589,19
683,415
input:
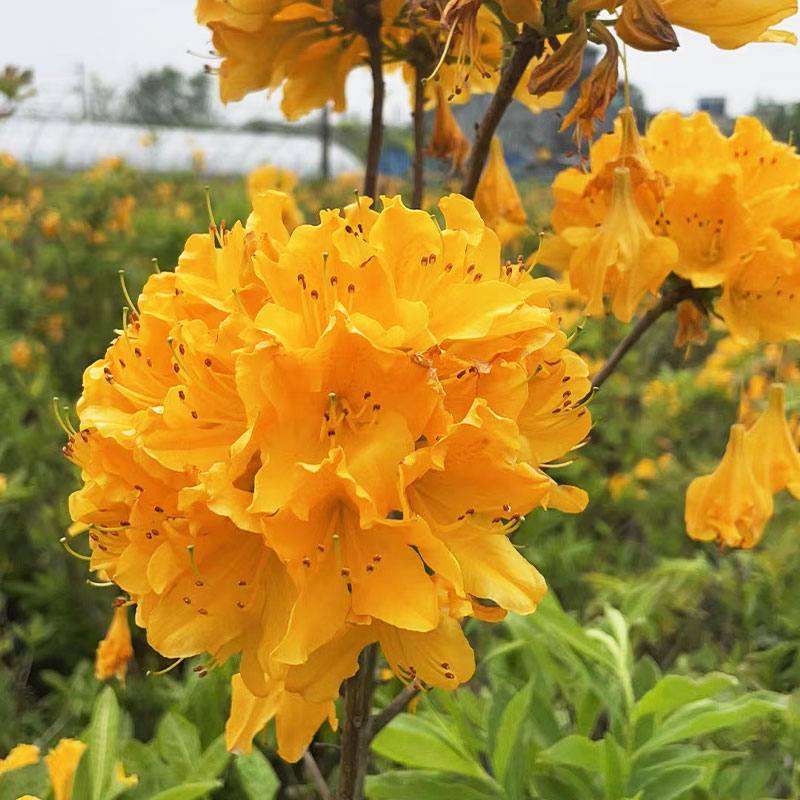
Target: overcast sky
x,y
119,38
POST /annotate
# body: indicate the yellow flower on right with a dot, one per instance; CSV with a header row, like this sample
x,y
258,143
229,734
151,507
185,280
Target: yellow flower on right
x,y
729,208
734,503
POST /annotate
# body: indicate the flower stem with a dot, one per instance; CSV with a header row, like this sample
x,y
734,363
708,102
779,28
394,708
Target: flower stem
x,y
355,726
419,137
371,30
527,45
396,706
668,301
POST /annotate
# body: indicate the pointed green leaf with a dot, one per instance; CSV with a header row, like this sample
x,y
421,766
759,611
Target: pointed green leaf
x,y
413,740
256,776
510,732
178,743
576,751
212,761
425,785
674,691
615,768
188,791
706,716
102,743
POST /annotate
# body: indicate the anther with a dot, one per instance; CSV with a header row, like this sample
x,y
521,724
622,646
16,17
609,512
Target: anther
x,y
367,395
377,558
445,665
194,415
239,604
242,583
314,294
306,561
345,572
321,548
202,611
207,362
199,583
301,279
370,568
449,675
158,509
187,601
351,289
181,394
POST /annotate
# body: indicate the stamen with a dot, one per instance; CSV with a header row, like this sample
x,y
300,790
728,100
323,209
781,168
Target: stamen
x,y
207,190
125,291
166,669
65,545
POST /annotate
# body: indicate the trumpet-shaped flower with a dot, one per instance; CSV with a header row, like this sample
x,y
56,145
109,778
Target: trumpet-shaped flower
x,y
62,761
771,447
621,258
729,505
23,755
496,197
447,140
729,204
115,651
352,417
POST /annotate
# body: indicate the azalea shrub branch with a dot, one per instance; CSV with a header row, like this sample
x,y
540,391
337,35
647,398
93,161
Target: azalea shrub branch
x,y
528,45
371,20
358,692
316,776
419,136
667,302
396,706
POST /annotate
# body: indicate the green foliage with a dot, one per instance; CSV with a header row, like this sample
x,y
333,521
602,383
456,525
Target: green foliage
x,y
581,721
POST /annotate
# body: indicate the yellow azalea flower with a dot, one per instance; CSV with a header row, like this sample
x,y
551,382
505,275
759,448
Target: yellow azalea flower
x,y
761,296
268,177
115,651
729,204
691,324
497,198
20,354
354,416
28,797
198,160
618,483
447,141
621,258
50,223
522,11
23,755
62,761
729,505
771,447
732,23
645,470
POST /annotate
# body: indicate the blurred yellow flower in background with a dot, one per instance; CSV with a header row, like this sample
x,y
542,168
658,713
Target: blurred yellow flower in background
x,y
23,755
497,199
20,354
50,223
62,761
115,650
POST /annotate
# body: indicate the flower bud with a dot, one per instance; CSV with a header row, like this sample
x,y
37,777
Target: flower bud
x,y
643,25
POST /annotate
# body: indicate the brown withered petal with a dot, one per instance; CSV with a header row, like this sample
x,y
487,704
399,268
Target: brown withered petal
x,y
643,25
597,91
561,69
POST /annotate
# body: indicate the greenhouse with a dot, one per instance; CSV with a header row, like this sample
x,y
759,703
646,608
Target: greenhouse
x,y
76,145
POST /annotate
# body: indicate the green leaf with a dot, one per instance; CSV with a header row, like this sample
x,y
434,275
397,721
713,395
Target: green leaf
x,y
666,784
674,691
706,716
256,775
615,768
576,751
212,761
178,743
414,740
188,791
510,732
419,784
102,743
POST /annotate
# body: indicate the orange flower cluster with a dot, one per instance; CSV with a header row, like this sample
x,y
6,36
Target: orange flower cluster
x,y
734,503
301,444
719,212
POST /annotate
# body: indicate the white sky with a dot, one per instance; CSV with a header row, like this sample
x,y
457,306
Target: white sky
x,y
118,38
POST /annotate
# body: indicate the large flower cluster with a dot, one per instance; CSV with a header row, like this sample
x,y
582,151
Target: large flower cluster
x,y
721,212
301,444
